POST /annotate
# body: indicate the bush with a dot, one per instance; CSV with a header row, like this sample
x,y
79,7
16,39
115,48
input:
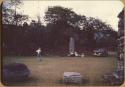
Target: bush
x,y
15,72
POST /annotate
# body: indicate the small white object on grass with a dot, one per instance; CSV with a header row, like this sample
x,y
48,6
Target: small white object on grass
x,y
82,55
71,53
76,54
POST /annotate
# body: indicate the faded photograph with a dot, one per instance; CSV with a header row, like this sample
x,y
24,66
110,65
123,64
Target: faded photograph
x,y
62,43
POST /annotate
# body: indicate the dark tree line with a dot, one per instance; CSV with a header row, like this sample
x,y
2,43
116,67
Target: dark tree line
x,y
62,23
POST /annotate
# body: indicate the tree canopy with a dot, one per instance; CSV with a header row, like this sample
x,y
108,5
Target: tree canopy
x,y
10,14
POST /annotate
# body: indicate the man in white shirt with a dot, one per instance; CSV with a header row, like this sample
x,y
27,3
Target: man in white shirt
x,y
39,54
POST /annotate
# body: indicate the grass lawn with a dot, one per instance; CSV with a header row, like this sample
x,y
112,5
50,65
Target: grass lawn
x,y
50,70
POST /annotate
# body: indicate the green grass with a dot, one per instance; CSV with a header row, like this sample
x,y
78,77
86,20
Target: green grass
x,y
50,70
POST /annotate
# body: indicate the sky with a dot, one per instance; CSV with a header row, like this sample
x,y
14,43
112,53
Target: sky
x,y
107,11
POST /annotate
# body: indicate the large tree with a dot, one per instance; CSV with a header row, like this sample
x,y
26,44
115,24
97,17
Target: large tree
x,y
66,23
62,21
57,13
10,13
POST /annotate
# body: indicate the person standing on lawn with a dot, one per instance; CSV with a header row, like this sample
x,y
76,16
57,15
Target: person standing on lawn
x,y
39,54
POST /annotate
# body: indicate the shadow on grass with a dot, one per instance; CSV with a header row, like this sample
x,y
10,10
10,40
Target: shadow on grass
x,y
84,82
29,81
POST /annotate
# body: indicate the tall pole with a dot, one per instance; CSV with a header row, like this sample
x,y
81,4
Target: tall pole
x,y
38,14
15,15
